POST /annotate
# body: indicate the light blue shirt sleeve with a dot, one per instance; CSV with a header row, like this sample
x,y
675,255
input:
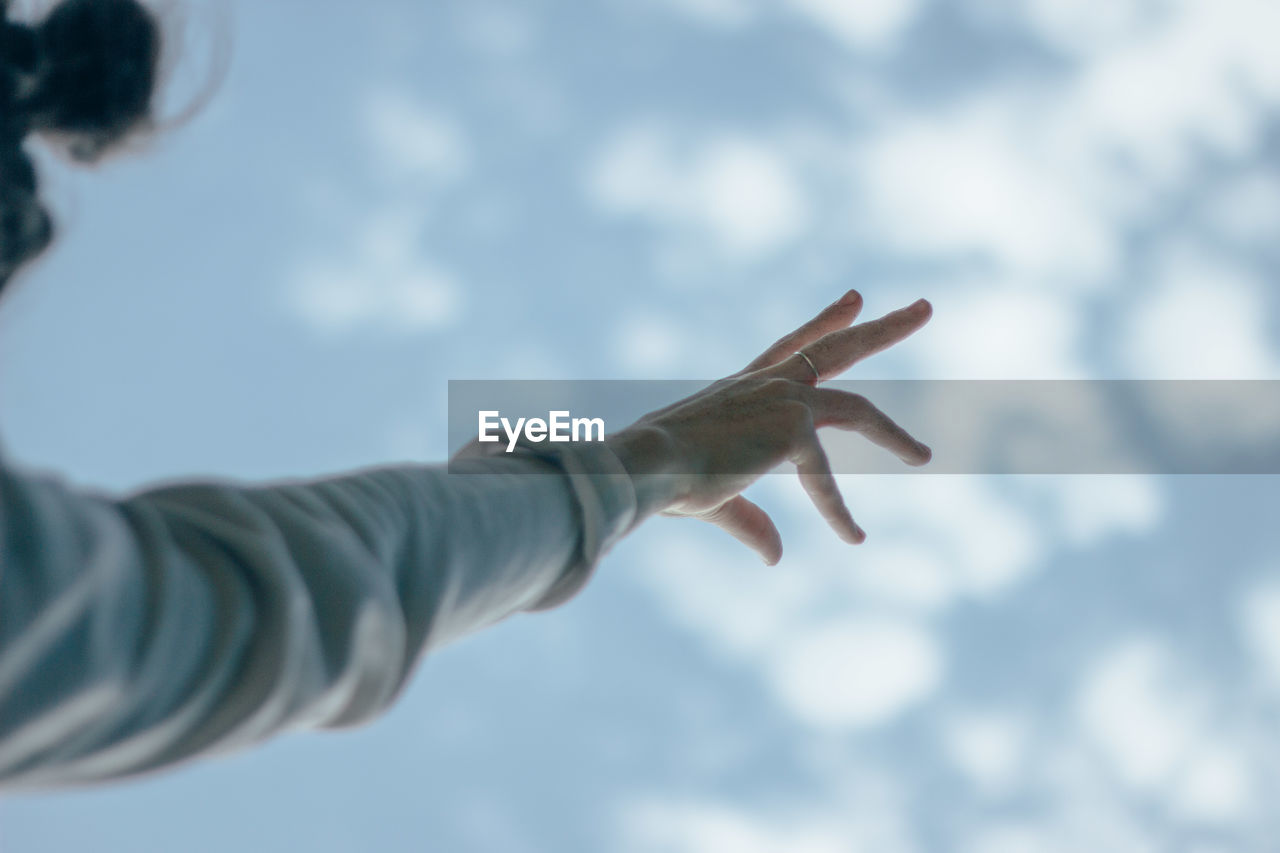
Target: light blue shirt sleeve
x,y
200,617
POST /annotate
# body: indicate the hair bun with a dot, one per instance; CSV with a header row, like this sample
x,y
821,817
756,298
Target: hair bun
x,y
25,227
86,72
95,65
19,60
19,47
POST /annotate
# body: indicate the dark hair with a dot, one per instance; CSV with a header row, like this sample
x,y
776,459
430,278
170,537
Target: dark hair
x,y
86,73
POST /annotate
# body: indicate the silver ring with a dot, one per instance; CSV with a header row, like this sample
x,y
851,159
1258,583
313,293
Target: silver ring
x,y
812,366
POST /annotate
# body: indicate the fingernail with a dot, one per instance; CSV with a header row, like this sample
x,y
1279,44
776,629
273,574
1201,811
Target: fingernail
x,y
918,304
849,298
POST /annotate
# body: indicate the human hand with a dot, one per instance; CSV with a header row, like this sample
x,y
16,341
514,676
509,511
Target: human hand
x,y
699,453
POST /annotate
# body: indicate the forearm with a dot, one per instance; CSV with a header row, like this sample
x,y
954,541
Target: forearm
x,y
202,617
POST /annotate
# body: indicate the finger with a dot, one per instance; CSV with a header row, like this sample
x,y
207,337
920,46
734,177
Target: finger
x,y
751,525
815,476
855,412
837,351
837,315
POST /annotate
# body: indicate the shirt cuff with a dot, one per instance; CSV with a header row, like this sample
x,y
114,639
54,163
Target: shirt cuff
x,y
607,508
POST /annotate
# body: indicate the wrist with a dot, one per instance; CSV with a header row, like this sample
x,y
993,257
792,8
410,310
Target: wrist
x,y
652,458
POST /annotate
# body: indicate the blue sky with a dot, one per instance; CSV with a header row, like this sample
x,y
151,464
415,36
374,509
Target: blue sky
x,y
386,195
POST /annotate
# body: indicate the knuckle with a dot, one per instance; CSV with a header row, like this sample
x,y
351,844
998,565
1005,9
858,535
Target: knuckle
x,y
859,406
798,418
778,386
718,514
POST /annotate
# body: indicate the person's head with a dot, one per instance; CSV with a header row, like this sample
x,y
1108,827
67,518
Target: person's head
x,y
84,75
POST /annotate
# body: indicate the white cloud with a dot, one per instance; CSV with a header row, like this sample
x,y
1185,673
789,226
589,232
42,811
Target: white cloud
x,y
648,344
990,748
1091,27
1203,320
1259,624
869,25
736,193
904,573
748,197
383,282
999,332
984,541
984,180
698,826
1140,713
856,673
933,541
1077,805
1215,787
1247,209
720,594
383,279
988,541
723,14
865,24
340,298
1091,508
1200,74
1042,179
996,545
497,30
412,141
1010,836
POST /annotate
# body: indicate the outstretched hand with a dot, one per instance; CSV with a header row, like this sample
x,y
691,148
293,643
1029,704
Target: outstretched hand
x,y
705,449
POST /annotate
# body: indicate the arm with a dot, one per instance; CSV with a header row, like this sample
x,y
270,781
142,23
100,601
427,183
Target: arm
x,y
203,617
199,618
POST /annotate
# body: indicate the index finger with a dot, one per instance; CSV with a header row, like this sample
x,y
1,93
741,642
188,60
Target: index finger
x,y
836,352
837,315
